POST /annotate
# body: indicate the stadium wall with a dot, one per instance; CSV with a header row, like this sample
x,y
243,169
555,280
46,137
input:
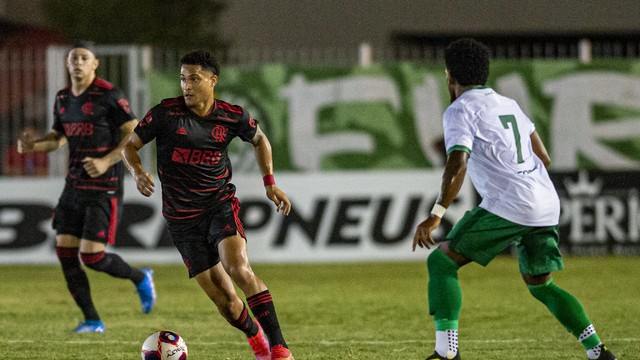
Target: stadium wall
x,y
356,216
288,24
336,217
359,150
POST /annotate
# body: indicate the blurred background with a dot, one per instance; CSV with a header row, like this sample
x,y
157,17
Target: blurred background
x,y
351,95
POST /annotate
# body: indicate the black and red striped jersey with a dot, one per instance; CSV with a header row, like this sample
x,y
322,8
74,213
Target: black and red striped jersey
x,y
91,123
192,152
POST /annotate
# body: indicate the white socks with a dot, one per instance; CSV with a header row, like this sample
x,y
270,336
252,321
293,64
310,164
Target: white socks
x,y
447,343
594,353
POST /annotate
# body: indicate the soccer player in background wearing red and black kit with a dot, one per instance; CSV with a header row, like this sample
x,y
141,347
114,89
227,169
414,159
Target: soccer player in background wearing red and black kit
x,y
192,135
93,117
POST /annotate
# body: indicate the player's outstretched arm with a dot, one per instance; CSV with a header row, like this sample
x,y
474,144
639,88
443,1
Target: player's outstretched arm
x,y
52,141
264,157
98,166
131,159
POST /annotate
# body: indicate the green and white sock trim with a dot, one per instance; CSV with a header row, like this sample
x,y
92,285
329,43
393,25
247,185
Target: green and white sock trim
x,y
590,330
589,338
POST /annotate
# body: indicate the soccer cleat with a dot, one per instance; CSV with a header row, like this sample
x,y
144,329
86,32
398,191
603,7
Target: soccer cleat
x,y
147,291
280,352
436,356
259,344
605,354
90,326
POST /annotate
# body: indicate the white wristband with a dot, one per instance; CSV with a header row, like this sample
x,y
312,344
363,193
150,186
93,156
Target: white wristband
x,y
438,210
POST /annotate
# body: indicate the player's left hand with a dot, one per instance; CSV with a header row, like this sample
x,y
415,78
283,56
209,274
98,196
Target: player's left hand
x,y
25,143
423,236
283,205
95,166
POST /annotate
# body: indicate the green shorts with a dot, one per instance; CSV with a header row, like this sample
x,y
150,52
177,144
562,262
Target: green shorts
x,y
481,235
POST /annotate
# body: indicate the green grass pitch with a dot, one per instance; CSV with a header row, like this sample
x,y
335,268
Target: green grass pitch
x,y
329,311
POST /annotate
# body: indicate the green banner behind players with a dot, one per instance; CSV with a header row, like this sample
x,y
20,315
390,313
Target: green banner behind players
x,y
389,116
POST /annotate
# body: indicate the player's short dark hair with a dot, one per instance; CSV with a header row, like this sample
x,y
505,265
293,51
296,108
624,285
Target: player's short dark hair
x,y
203,58
467,61
84,44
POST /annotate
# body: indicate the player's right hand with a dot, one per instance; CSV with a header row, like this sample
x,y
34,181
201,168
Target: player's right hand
x,y
283,204
144,183
25,143
423,236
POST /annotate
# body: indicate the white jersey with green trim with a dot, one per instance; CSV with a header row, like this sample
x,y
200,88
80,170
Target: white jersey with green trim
x,y
512,181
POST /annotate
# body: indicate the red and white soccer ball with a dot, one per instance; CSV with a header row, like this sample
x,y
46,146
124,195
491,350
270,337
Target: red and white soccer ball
x,y
164,345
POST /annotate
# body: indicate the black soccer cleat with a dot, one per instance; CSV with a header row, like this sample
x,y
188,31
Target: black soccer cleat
x,y
605,354
436,356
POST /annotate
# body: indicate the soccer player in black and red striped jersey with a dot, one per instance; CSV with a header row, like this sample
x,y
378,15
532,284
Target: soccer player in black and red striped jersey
x,y
192,135
93,117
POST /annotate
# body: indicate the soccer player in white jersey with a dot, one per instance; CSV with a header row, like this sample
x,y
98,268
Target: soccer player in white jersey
x,y
489,137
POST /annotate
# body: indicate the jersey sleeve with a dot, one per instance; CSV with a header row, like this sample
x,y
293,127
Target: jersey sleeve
x,y
247,127
121,110
147,128
459,130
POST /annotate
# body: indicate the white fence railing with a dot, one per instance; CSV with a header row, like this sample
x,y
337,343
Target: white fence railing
x,y
29,77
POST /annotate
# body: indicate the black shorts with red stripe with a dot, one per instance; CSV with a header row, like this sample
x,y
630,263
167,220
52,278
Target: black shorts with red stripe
x,y
89,215
197,239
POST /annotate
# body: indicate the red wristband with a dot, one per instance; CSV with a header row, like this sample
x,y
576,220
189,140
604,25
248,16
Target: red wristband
x,y
268,180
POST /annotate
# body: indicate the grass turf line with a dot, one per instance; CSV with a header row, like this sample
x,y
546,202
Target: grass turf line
x,y
329,311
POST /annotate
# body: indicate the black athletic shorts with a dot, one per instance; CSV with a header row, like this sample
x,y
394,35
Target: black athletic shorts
x,y
88,215
197,240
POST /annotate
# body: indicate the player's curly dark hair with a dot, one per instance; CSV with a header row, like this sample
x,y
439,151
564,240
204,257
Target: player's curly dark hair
x,y
203,58
467,61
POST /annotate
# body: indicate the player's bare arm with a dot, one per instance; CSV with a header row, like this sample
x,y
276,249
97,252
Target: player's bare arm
x,y
131,159
52,141
98,166
452,180
539,149
264,157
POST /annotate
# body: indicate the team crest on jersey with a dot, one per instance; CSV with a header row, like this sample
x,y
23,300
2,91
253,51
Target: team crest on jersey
x,y
62,110
219,133
124,104
252,122
87,108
